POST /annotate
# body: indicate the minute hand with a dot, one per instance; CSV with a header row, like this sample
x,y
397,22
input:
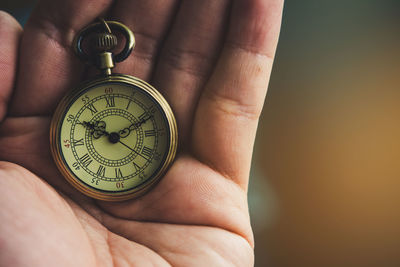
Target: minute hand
x,y
126,131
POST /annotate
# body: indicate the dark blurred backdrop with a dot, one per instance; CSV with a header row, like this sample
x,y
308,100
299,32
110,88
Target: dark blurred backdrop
x,y
325,183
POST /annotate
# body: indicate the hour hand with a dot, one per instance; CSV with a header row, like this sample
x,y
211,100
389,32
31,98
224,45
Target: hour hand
x,y
97,129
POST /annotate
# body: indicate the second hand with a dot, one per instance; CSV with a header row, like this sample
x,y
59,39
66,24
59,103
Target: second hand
x,y
137,153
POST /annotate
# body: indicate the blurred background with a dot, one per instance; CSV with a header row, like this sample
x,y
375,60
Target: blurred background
x,y
325,182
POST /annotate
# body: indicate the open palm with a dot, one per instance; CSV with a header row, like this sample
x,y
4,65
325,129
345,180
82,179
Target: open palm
x,y
211,60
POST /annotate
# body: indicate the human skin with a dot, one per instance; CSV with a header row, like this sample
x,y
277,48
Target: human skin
x,y
211,60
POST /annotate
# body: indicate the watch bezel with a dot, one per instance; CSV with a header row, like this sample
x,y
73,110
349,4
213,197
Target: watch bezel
x,y
55,140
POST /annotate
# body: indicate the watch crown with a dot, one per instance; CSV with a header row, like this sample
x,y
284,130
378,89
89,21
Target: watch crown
x,y
105,42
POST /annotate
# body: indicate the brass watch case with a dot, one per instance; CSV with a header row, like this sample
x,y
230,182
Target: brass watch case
x,y
55,141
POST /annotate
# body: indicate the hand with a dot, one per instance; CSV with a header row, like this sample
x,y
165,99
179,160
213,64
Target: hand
x,y
130,148
126,131
97,129
210,60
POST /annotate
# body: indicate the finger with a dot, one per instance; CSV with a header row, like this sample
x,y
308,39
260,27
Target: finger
x,y
149,21
188,56
228,111
48,66
10,33
24,141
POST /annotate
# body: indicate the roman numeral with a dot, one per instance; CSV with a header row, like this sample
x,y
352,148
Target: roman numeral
x,y
149,133
101,171
118,173
157,156
147,152
129,103
77,142
143,117
110,99
85,160
137,167
92,108
152,110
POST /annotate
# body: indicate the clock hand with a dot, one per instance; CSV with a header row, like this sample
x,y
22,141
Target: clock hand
x,y
97,129
137,153
119,141
126,131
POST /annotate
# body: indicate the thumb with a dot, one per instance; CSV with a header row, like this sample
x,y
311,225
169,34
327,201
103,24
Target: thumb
x,y
10,35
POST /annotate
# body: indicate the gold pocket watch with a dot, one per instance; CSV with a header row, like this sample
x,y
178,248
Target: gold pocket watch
x,y
115,136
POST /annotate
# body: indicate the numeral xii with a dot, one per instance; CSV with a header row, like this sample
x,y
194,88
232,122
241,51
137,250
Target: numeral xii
x,y
110,99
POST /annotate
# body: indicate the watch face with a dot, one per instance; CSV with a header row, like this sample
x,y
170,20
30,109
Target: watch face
x,y
114,138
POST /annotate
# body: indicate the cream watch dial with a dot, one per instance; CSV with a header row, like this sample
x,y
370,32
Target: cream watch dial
x,y
114,138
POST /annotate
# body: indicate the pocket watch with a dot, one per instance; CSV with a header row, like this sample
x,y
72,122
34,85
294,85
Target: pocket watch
x,y
115,136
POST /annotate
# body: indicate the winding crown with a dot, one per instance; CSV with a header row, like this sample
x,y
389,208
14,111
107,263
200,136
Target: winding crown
x,y
105,42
